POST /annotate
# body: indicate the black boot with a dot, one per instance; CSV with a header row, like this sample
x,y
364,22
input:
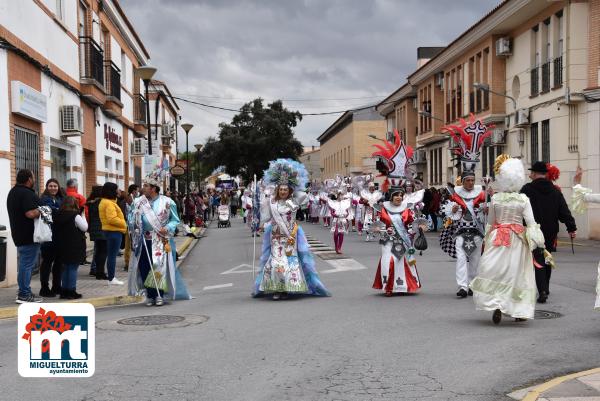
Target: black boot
x,y
542,298
75,294
461,293
46,292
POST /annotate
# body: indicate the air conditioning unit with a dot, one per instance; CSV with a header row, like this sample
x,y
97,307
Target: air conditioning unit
x,y
439,80
165,131
71,120
420,156
498,137
522,117
166,141
503,47
138,147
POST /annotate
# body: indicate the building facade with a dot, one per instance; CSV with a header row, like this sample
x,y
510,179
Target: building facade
x,y
346,145
71,105
530,69
311,158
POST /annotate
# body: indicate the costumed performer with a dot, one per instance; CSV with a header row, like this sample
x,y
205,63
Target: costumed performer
x,y
581,197
505,283
467,205
152,222
397,267
286,264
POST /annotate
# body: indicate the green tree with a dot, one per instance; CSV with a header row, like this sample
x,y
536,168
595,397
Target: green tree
x,y
254,137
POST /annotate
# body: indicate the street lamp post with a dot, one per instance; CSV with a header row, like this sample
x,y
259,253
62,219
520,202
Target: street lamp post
x,y
187,127
146,73
486,88
198,147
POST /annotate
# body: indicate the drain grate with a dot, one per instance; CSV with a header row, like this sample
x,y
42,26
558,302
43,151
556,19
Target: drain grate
x,y
546,314
151,320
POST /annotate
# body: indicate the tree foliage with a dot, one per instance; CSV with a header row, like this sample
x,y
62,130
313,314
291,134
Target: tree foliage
x,y
254,137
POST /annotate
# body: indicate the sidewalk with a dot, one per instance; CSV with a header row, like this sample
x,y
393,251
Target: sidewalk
x,y
581,386
96,292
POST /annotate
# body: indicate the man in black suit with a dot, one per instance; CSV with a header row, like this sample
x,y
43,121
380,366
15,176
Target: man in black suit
x,y
549,207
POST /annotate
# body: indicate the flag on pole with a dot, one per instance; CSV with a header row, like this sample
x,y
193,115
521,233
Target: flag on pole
x,y
256,207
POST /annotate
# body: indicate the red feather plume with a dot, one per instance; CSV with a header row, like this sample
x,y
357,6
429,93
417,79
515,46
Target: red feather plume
x,y
553,173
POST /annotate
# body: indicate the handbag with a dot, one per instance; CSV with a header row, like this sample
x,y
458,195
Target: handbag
x,y
420,241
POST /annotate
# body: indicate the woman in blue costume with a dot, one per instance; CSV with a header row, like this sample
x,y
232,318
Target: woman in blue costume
x,y
286,264
152,222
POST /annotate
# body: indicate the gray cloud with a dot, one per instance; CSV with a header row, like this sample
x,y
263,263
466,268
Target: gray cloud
x,y
226,51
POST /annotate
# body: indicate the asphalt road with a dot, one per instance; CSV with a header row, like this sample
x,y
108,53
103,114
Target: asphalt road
x,y
356,345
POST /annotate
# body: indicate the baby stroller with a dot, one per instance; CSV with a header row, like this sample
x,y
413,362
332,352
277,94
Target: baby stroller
x,y
223,212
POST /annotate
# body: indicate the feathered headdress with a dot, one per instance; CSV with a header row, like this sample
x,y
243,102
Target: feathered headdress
x,y
286,172
397,158
470,137
158,174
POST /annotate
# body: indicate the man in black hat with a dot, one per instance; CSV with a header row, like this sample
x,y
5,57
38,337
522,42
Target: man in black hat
x,y
549,207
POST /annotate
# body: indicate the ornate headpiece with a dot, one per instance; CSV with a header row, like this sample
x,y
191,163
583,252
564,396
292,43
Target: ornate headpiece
x,y
286,172
470,137
498,162
158,174
397,158
553,173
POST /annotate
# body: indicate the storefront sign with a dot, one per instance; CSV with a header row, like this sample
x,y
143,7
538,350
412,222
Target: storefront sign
x,y
28,102
113,140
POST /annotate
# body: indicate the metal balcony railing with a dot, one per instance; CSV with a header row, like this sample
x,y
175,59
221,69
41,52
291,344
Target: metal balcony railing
x,y
92,60
113,80
535,81
546,77
558,74
139,109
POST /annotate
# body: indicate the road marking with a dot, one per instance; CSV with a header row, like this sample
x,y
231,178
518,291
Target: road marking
x,y
214,287
344,265
243,268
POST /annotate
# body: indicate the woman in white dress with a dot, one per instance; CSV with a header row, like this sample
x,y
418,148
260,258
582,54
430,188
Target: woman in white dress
x,y
286,264
506,280
581,197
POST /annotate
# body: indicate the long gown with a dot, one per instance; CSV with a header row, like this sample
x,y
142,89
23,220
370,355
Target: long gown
x,y
286,265
506,278
582,196
397,268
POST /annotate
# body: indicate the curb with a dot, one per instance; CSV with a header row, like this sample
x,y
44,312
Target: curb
x,y
11,312
534,394
99,302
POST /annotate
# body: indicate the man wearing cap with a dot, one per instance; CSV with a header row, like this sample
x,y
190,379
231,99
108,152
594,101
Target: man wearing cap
x,y
549,207
466,209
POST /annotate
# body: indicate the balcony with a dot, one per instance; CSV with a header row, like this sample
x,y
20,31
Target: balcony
x,y
558,72
535,82
139,113
91,70
546,77
113,105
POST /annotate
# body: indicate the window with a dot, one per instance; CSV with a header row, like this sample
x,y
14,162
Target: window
x,y
107,167
60,10
123,69
535,62
534,142
439,167
558,51
546,140
119,166
27,153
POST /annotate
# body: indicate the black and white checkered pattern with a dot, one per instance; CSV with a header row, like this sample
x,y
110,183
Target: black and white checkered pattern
x,y
447,241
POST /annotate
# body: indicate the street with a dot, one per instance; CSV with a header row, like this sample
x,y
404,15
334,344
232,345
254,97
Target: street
x,y
356,345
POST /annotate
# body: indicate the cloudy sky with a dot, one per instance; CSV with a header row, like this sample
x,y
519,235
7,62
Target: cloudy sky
x,y
315,55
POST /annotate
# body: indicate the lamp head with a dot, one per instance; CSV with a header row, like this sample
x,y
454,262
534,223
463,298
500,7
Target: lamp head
x,y
146,72
481,86
425,113
187,127
198,147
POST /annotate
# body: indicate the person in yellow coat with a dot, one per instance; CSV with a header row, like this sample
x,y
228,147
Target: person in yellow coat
x,y
113,226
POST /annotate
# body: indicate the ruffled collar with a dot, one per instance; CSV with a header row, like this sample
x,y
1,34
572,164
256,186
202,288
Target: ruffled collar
x,y
463,193
390,207
505,197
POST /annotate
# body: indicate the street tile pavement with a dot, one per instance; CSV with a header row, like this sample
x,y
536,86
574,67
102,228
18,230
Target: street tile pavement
x,y
87,285
582,388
